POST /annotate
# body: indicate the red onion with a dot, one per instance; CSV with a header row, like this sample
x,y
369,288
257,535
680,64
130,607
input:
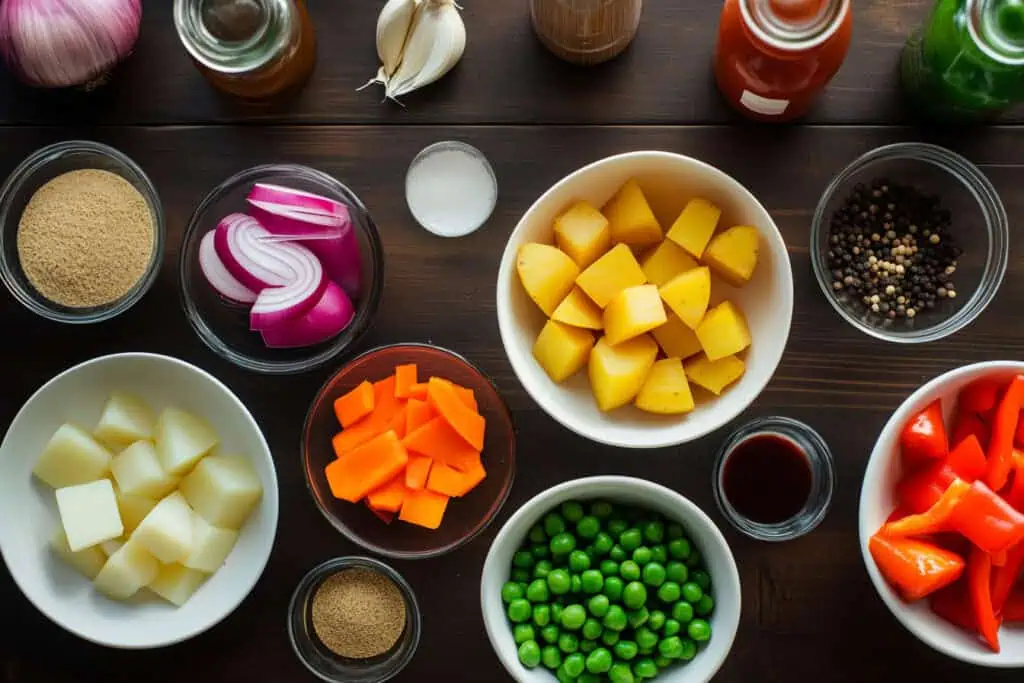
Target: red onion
x,y
296,199
239,240
328,318
61,43
222,281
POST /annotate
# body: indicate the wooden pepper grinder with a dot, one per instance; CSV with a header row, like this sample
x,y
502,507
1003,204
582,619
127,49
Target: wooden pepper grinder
x,y
586,31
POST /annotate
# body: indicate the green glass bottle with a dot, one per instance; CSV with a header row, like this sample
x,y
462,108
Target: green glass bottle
x,y
967,61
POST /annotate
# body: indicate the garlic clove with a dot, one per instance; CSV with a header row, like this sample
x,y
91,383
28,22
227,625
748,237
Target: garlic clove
x,y
437,40
393,27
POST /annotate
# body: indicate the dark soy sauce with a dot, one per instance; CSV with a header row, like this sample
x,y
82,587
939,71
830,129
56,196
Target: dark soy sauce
x,y
767,478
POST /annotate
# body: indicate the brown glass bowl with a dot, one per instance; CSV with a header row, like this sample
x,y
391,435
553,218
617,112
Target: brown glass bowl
x,y
466,516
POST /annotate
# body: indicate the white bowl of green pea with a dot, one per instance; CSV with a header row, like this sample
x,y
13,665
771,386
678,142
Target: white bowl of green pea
x,y
610,579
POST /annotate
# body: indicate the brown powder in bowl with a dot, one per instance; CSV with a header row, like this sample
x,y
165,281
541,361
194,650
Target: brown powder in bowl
x,y
85,238
358,613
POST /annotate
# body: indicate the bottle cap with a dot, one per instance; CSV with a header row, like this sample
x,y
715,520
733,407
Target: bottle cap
x,y
798,11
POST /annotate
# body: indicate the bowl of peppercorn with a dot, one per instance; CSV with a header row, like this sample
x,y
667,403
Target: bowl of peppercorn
x,y
909,243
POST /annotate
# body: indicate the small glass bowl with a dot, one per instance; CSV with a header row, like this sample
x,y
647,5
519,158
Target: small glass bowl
x,y
468,150
328,666
38,169
979,224
819,458
223,326
465,517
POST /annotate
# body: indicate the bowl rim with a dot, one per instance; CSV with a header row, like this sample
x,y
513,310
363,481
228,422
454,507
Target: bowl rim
x,y
730,582
876,462
641,438
496,505
272,502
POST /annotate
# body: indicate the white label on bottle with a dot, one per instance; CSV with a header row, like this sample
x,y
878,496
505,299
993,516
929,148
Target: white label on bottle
x,y
763,105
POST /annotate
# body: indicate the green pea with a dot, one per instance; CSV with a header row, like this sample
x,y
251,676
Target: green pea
x,y
575,584
537,534
603,544
625,649
616,527
553,524
705,606
523,559
634,595
610,637
618,553
656,620
653,574
520,575
642,555
588,646
668,592
682,612
511,591
613,586
599,661
659,554
578,561
542,569
620,673
663,662
562,544
692,592
609,567
671,647
679,548
677,571
702,579
592,629
598,605
588,526
629,570
573,617
559,581
562,677
671,628
537,591
522,633
645,638
529,654
689,650
615,619
540,552
551,657
519,610
699,630
631,539
645,668
638,617
574,665
556,613
572,511
674,531
601,509
694,559
568,643
541,615
654,532
591,581
550,633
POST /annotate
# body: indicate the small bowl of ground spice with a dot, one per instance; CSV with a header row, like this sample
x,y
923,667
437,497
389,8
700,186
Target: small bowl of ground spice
x,y
354,619
910,243
81,232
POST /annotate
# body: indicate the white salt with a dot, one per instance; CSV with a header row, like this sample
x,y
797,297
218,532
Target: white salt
x,y
451,189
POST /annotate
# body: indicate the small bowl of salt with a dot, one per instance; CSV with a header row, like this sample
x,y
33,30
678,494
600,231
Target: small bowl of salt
x,y
451,189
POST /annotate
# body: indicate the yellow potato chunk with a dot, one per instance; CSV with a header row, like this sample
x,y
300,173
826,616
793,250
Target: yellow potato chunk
x,y
733,254
688,295
723,331
714,375
631,218
666,261
666,390
618,372
562,350
176,583
676,339
579,311
547,274
126,571
583,233
610,274
632,312
695,226
133,509
88,561
71,457
223,489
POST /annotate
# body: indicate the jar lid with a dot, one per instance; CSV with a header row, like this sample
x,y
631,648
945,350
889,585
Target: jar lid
x,y
798,11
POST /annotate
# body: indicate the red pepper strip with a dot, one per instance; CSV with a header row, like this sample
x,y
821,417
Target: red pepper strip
x,y
1005,578
986,520
1013,610
924,438
1004,428
979,397
966,424
952,604
934,519
922,488
967,459
979,588
914,568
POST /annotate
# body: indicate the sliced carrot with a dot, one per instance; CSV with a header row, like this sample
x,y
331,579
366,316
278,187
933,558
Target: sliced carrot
x,y
367,467
416,471
397,423
405,378
439,441
386,402
418,390
469,424
382,515
466,396
355,405
417,414
356,435
424,508
389,497
450,482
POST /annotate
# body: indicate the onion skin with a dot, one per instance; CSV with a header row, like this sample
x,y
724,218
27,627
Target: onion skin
x,y
64,43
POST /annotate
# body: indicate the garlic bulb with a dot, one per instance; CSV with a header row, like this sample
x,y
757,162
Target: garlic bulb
x,y
393,26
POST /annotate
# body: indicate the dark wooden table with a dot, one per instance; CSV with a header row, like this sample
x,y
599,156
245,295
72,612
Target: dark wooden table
x,y
809,611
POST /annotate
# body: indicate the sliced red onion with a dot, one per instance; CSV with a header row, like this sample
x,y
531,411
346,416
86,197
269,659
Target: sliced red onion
x,y
276,305
298,199
219,277
341,260
328,318
253,262
288,220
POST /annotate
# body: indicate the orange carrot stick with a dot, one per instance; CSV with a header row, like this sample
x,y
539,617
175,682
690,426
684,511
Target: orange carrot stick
x,y
440,442
389,497
355,405
424,508
450,482
418,391
469,424
397,423
416,471
405,378
417,414
367,467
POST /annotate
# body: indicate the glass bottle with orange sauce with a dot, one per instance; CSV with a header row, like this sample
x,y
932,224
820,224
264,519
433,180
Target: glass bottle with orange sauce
x,y
252,49
774,56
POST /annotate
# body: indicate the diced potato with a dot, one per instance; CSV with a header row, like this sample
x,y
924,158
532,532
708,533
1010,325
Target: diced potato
x,y
631,218
223,489
732,254
695,226
723,331
610,274
666,390
632,312
71,457
89,514
714,375
583,233
138,472
176,583
108,548
562,350
182,439
126,571
211,545
133,509
547,274
579,311
618,372
125,420
676,339
688,295
88,561
166,531
666,261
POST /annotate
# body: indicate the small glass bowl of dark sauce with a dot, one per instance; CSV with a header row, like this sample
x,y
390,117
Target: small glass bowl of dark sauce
x,y
773,479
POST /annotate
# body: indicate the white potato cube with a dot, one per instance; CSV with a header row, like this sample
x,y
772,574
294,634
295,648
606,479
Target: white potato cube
x,y
88,561
176,583
89,514
223,489
125,420
138,472
126,571
108,548
211,545
166,531
182,439
133,509
72,457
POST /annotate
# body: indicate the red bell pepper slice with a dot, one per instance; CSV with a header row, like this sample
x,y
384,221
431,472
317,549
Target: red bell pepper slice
x,y
967,424
979,588
914,568
967,459
986,520
923,438
953,604
980,397
1004,429
934,519
923,488
1013,610
1004,578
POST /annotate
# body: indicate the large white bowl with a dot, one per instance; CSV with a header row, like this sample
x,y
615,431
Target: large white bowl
x,y
877,503
669,180
64,595
702,531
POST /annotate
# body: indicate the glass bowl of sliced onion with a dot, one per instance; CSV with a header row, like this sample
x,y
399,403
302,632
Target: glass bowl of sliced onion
x,y
281,269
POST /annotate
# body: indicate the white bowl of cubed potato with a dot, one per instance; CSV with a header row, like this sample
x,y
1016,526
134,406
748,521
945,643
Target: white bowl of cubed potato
x,y
645,300
145,497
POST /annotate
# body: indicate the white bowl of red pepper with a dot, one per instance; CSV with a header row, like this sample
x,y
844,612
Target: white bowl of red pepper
x,y
942,514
